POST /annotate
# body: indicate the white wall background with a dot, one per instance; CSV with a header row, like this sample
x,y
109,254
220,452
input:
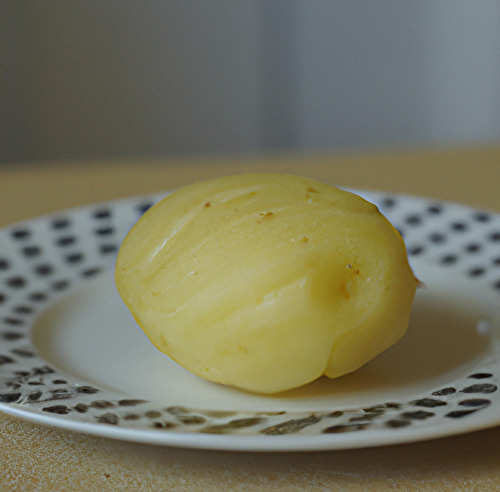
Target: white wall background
x,y
102,78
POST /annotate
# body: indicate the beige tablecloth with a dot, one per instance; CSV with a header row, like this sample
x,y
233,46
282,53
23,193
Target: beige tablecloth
x,y
33,457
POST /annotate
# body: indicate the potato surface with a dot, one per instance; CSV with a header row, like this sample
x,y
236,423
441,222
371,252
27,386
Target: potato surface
x,y
266,281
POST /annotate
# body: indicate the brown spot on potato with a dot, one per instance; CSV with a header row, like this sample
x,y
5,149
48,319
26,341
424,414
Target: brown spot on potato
x,y
264,216
344,289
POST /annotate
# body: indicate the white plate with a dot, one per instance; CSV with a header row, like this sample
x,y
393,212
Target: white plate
x,y
72,357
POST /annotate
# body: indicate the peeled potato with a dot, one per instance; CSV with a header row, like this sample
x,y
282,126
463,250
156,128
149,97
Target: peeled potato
x,y
266,282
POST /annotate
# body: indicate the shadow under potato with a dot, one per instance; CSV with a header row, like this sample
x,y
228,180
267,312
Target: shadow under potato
x,y
441,338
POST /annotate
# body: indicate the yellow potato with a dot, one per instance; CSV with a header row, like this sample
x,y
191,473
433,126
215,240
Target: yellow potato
x,y
266,282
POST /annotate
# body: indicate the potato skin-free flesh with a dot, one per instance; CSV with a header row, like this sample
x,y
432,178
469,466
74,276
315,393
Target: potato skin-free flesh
x,y
266,281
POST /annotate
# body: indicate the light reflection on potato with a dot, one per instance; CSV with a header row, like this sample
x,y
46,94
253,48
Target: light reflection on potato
x,y
265,281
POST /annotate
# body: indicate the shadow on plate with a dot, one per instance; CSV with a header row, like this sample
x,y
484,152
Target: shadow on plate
x,y
442,338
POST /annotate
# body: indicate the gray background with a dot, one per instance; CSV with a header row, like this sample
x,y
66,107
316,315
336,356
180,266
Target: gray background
x,y
101,78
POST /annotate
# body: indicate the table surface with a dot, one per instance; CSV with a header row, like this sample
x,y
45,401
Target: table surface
x,y
34,457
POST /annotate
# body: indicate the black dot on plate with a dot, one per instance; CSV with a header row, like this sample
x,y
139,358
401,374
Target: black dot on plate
x,y
75,258
413,220
388,202
130,402
30,251
38,371
44,270
449,259
16,282
4,359
153,414
108,418
482,217
435,209
392,404
496,261
81,407
102,214
494,236
170,425
86,390
101,404
35,396
13,321
61,284
57,409
23,353
418,415
481,388
476,272
9,397
61,223
104,231
437,237
4,264
376,409
415,250
90,272
198,419
458,226
335,414
340,429
475,402
37,296
66,241
428,402
23,309
397,423
60,381
473,248
144,207
11,336
3,298
496,285
108,248
481,375
23,374
21,233
457,414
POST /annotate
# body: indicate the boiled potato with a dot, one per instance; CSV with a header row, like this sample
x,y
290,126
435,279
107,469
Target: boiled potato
x,y
265,281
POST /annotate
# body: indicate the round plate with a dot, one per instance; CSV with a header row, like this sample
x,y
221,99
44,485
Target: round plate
x,y
72,357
